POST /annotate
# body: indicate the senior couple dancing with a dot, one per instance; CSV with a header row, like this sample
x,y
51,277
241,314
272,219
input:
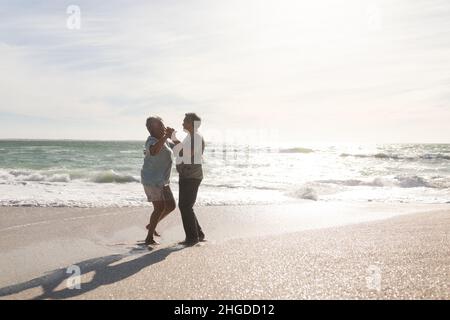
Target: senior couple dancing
x,y
160,148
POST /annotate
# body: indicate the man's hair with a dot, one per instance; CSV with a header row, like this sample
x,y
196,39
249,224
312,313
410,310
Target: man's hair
x,y
191,117
151,119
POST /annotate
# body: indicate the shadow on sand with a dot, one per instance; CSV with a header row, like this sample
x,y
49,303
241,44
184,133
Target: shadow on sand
x,y
104,273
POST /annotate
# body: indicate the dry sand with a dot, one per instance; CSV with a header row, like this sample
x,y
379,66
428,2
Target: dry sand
x,y
298,251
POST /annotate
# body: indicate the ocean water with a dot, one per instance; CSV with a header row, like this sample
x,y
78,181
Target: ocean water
x,y
107,173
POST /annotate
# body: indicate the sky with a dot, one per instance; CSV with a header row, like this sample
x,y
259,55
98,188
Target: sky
x,y
299,71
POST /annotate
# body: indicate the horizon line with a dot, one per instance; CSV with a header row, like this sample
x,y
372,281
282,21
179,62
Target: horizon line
x,y
138,140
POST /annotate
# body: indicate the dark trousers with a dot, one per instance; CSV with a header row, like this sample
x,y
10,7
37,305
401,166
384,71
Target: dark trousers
x,y
188,189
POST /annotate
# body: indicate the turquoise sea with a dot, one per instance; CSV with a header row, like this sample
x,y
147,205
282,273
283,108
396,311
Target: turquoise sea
x,y
107,173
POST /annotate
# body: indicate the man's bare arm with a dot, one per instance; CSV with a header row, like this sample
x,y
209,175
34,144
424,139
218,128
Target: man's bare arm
x,y
156,148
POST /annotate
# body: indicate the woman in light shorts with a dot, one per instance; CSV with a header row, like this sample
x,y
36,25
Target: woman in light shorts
x,y
155,174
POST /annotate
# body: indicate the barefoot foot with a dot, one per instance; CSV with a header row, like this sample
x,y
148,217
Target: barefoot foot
x,y
151,241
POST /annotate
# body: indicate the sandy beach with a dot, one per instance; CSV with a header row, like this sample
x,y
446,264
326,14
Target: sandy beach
x,y
309,141
305,250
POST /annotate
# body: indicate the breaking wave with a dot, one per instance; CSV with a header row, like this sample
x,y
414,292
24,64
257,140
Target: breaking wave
x,y
427,156
412,181
296,150
24,176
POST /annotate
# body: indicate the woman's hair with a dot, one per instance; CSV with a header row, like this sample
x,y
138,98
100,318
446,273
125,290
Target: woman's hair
x,y
151,119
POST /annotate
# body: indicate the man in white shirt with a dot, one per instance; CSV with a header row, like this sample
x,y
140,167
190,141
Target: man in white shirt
x,y
189,167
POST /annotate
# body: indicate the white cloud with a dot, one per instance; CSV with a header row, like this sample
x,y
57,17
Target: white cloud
x,y
315,69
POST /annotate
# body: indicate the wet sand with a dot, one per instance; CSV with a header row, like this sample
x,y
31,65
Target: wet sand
x,y
306,250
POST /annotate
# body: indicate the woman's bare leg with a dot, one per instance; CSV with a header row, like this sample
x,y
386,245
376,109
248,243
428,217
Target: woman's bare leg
x,y
158,209
169,205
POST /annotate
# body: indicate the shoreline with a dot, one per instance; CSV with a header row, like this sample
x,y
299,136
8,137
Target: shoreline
x,y
35,241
